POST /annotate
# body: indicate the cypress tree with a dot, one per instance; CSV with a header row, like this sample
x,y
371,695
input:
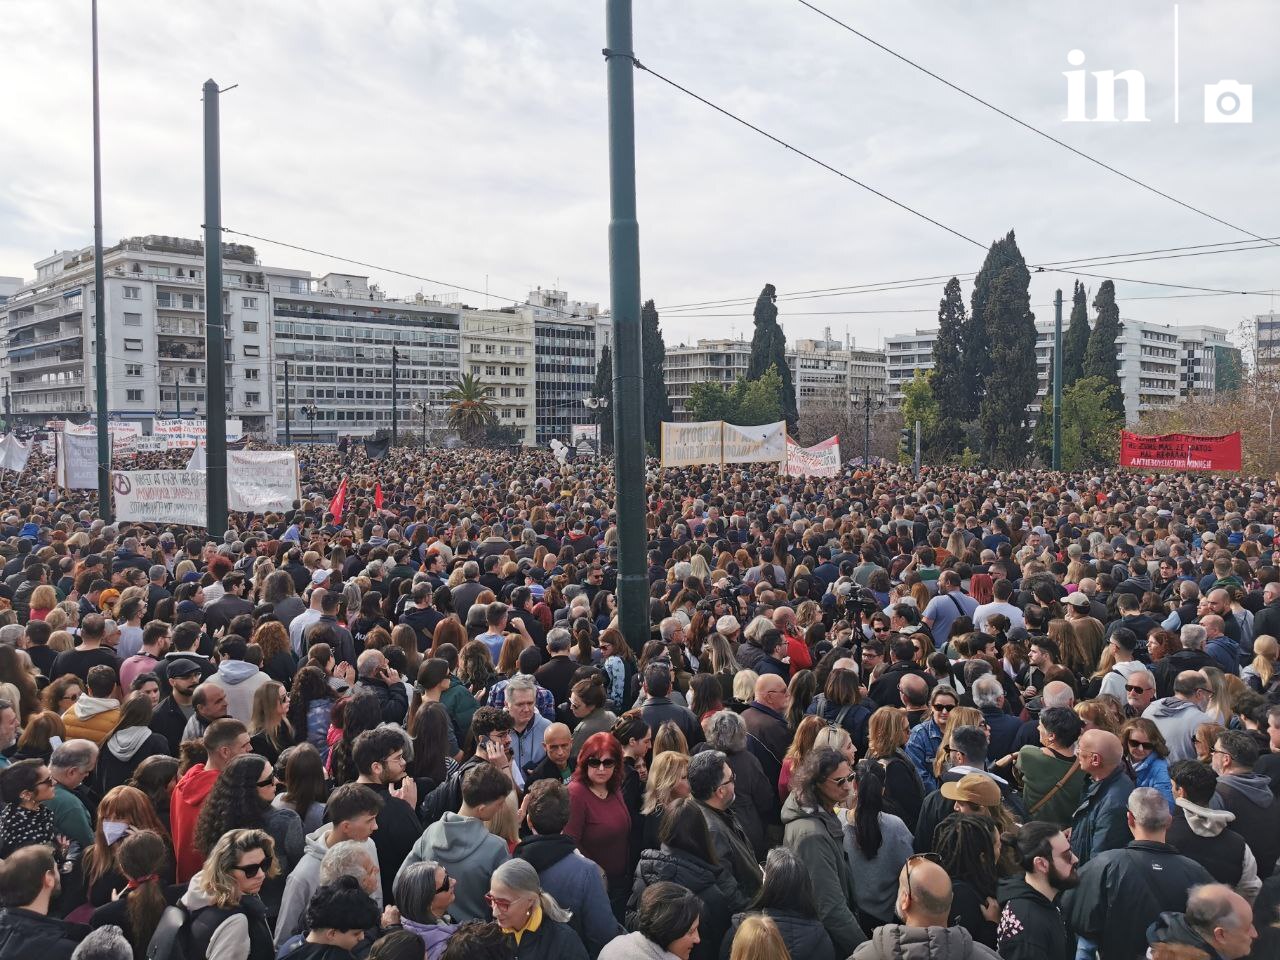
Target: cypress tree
x,y
1012,382
977,337
769,349
948,377
657,405
1100,354
604,388
1077,338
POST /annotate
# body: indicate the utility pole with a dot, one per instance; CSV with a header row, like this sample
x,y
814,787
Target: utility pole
x,y
866,430
1057,381
99,301
395,389
288,435
919,433
214,320
624,295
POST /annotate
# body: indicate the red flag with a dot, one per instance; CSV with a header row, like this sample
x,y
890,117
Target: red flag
x,y
377,496
339,501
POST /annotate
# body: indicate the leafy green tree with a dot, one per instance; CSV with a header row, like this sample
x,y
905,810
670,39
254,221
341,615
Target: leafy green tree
x,y
657,404
919,403
604,388
977,336
1228,367
948,375
746,403
1090,426
1100,355
769,349
1012,382
710,401
471,410
1076,340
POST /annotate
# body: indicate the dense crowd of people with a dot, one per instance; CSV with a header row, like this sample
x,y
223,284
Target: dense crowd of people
x,y
963,715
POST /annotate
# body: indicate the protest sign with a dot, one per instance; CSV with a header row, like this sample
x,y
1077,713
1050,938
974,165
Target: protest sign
x,y
820,460
161,496
690,444
766,443
262,481
76,458
1180,451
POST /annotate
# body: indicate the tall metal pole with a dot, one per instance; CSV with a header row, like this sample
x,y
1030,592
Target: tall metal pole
x,y
624,290
919,435
866,431
216,389
99,301
288,435
395,389
1057,381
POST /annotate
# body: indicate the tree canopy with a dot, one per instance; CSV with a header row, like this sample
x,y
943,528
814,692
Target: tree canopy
x,y
746,403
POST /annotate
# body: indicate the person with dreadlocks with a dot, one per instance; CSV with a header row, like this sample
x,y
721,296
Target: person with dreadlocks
x,y
968,847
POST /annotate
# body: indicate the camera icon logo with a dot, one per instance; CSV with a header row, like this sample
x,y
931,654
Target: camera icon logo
x,y
1228,101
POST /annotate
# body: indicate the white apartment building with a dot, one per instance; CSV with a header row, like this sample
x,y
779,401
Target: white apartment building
x,y
497,349
569,336
1158,363
337,334
155,334
707,361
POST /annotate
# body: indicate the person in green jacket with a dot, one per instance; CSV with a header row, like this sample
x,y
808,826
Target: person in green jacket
x,y
70,765
814,834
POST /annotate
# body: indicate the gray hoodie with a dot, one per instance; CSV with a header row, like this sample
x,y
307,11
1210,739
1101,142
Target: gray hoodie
x,y
1177,721
304,879
1207,822
465,847
896,941
634,946
240,681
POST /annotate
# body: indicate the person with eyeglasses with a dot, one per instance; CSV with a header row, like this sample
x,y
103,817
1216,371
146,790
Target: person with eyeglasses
x,y
1147,754
228,920
26,787
1178,716
1139,692
1248,795
598,816
535,925
424,892
926,736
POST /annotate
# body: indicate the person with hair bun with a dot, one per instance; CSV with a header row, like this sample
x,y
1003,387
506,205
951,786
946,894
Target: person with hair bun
x,y
337,917
587,701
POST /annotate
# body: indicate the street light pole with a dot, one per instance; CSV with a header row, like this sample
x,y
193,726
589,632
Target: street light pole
x,y
99,301
214,319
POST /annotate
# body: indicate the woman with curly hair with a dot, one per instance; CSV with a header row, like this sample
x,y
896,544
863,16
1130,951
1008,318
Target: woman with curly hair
x,y
241,799
123,811
476,666
228,920
277,654
270,731
310,708
62,694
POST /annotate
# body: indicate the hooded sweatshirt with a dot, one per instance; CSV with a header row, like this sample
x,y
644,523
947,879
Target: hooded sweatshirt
x,y
240,680
634,946
1177,721
465,847
303,880
124,750
1249,797
896,941
91,718
1173,928
434,936
184,809
1204,835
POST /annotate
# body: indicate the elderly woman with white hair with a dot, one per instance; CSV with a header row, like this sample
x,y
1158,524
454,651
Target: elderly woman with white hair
x,y
536,926
756,800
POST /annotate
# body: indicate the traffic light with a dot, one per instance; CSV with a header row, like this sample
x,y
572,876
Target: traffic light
x,y
906,443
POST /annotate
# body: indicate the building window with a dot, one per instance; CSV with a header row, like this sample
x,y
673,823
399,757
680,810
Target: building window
x,y
133,369
504,392
475,348
489,371
133,344
133,319
249,303
519,413
133,293
252,350
506,371
251,373
251,398
133,396
519,371
475,370
519,392
488,348
251,326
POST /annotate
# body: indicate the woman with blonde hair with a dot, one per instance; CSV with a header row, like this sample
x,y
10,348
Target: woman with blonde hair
x,y
228,921
1260,675
1074,655
758,939
744,685
670,737
1219,707
43,599
1104,713
959,717
36,741
270,730
887,734
668,780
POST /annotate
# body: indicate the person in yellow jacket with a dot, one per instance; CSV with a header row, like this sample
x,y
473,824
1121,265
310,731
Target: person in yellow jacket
x,y
95,713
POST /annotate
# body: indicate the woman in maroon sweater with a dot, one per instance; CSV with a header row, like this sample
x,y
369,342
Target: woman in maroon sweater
x,y
598,815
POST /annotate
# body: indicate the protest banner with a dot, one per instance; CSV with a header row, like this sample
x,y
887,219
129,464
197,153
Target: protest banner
x,y
161,496
124,438
690,444
76,461
262,481
766,443
14,453
1180,451
186,434
820,460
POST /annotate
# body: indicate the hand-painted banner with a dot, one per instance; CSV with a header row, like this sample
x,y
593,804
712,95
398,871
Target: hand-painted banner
x,y
161,496
262,481
820,460
763,444
186,434
1180,451
691,444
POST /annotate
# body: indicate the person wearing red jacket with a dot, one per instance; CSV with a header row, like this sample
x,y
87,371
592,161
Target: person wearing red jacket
x,y
224,740
784,619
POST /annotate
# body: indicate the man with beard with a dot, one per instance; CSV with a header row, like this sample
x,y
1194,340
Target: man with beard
x,y
1031,925
30,880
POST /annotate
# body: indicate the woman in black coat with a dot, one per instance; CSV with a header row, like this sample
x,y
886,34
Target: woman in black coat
x,y
536,926
688,858
130,742
787,899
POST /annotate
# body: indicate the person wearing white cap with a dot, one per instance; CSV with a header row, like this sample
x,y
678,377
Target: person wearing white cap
x,y
728,627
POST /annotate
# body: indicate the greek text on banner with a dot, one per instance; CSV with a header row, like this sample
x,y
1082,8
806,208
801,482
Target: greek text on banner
x,y
1180,451
259,481
161,496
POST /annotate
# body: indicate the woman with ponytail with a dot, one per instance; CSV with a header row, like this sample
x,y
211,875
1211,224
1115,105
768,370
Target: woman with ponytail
x,y
137,909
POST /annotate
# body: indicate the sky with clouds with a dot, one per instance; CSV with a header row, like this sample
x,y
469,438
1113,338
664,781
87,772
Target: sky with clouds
x,y
466,141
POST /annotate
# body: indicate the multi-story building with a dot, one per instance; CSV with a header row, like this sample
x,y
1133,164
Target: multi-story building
x,y
905,353
820,373
707,361
155,333
1266,340
569,336
337,334
497,349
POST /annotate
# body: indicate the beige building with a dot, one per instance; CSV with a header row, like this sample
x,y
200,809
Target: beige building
x,y
497,349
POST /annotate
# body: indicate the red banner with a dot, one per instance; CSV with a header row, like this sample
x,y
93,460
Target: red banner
x,y
1180,451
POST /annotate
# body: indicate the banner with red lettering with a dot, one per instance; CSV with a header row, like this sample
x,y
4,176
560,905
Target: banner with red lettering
x,y
820,460
1180,451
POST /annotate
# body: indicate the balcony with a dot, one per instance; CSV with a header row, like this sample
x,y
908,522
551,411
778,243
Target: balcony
x,y
65,332
175,327
69,379
53,359
18,321
183,379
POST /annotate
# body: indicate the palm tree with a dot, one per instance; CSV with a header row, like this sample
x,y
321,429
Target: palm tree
x,y
470,407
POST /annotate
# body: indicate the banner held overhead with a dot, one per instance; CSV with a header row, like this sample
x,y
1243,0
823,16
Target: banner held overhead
x,y
1180,451
160,496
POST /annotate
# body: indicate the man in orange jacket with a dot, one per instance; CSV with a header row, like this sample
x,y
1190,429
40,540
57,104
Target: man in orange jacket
x,y
225,740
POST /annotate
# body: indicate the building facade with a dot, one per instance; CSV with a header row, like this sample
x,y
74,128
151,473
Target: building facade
x,y
707,361
1266,341
497,349
569,337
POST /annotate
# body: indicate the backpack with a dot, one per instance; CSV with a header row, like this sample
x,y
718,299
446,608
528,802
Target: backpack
x,y
172,937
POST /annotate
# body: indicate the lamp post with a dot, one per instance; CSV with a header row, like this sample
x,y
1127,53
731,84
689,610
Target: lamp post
x,y
310,412
421,406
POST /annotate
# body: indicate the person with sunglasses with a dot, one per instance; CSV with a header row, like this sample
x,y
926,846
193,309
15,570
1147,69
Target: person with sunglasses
x,y
598,814
26,787
1178,716
424,893
1146,752
227,920
926,736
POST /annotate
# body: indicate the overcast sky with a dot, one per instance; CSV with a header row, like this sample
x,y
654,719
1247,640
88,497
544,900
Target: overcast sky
x,y
466,141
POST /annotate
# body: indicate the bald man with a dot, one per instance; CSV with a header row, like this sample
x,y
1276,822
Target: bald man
x,y
1100,822
924,905
557,741
766,720
1218,922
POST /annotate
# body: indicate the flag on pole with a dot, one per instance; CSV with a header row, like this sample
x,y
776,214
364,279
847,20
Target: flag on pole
x,y
377,496
339,501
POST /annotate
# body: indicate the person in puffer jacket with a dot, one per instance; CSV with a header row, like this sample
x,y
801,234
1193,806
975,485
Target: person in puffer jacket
x,y
787,899
687,857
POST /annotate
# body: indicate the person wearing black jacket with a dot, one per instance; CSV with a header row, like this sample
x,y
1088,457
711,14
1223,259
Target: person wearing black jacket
x,y
29,878
1031,926
422,616
787,899
383,681
884,691
173,712
379,757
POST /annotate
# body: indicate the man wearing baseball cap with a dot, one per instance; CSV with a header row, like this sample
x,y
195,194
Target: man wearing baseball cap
x,y
173,712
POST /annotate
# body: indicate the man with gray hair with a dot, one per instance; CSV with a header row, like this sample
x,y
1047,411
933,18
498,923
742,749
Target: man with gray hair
x,y
465,593
755,801
712,784
1217,923
70,765
1122,892
104,943
157,577
988,696
557,673
1191,656
1177,716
